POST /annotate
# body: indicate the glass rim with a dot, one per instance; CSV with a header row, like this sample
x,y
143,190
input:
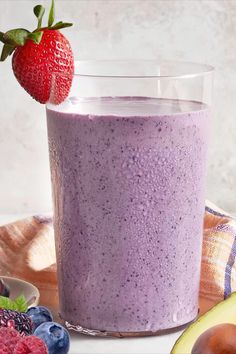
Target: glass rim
x,y
199,69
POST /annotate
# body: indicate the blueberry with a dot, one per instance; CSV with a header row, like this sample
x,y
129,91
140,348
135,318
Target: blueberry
x,y
4,289
55,336
39,315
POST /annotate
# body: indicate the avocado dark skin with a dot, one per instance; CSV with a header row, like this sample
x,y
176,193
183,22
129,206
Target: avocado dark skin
x,y
220,339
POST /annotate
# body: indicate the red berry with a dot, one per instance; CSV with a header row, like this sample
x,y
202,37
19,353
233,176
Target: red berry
x,y
4,349
33,65
30,345
9,337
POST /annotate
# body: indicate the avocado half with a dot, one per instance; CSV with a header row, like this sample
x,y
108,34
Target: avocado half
x,y
223,312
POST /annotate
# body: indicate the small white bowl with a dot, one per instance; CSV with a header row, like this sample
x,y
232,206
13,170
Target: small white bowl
x,y
20,287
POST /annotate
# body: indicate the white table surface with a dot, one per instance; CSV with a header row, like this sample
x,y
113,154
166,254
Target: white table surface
x,y
81,344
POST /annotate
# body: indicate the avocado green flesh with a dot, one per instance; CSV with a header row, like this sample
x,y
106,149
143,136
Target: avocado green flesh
x,y
223,312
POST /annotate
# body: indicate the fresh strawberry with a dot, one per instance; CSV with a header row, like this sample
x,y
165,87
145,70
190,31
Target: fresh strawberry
x,y
33,65
42,59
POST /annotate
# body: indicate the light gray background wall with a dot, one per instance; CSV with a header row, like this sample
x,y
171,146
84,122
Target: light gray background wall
x,y
194,30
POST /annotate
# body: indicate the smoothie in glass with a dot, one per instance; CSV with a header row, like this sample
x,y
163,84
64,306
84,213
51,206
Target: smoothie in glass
x,y
128,177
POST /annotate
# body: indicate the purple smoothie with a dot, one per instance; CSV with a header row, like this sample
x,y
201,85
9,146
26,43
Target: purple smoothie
x,y
128,180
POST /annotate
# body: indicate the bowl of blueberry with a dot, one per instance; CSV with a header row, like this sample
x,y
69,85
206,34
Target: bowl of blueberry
x,y
24,326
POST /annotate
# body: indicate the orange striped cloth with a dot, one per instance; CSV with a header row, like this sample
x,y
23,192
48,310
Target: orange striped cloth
x,y
218,274
27,252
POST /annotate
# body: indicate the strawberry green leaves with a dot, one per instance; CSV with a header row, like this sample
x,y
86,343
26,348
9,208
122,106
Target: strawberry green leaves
x,y
7,50
51,17
12,39
2,37
18,37
19,304
39,11
60,25
36,36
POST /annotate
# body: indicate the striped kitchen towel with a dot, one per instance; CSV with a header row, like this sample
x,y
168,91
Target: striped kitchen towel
x,y
27,252
218,274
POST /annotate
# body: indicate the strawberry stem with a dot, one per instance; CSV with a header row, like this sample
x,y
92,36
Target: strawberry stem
x,y
36,36
39,11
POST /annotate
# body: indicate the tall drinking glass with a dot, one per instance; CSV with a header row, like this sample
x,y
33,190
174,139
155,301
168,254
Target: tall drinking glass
x,y
128,164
